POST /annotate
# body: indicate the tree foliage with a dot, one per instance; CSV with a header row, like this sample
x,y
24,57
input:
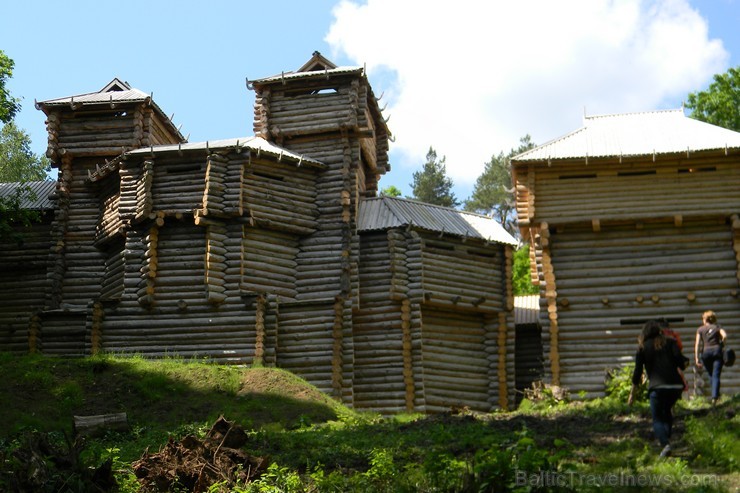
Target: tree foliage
x,y
432,185
9,105
13,218
521,274
493,193
17,162
390,191
720,103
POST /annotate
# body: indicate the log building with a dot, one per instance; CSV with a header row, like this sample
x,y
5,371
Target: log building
x,y
272,249
629,218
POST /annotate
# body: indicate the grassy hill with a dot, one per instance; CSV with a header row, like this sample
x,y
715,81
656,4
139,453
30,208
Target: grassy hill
x,y
305,441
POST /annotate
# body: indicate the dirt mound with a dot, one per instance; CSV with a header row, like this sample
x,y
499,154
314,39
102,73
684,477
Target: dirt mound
x,y
279,382
194,465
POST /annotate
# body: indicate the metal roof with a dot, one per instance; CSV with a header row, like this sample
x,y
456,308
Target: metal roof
x,y
37,196
115,92
526,309
286,76
635,134
388,212
254,143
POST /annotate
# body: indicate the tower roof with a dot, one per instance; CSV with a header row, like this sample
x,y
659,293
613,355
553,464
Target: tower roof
x,y
114,93
635,134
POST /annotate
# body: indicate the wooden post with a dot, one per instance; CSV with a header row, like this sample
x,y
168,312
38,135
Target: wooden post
x,y
552,306
259,326
408,372
97,328
215,268
34,328
336,360
503,395
149,267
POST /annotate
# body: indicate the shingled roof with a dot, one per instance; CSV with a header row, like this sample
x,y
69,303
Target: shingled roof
x,y
635,134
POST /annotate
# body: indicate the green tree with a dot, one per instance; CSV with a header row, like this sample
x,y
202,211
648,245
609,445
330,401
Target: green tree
x,y
521,274
493,193
9,105
432,185
390,191
720,103
17,162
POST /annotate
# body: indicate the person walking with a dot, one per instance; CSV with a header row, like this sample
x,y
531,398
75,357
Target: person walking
x,y
665,327
710,338
659,357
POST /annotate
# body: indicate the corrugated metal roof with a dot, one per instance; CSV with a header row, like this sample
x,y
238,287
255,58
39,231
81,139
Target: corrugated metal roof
x,y
389,212
635,134
37,196
255,143
115,92
526,309
285,76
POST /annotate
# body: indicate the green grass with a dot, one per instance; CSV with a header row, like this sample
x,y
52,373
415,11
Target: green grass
x,y
315,444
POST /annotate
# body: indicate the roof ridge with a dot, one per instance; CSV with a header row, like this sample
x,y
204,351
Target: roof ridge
x,y
634,113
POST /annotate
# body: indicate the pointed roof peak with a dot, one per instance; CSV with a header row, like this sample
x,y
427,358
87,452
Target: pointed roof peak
x,y
317,62
116,85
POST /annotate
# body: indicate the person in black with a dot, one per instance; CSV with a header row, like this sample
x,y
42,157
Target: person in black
x,y
661,359
710,338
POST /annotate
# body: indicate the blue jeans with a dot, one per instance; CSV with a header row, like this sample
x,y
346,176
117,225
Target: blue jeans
x,y
661,408
713,363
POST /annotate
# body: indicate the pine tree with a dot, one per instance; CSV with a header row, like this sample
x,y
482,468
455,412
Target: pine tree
x,y
493,193
432,185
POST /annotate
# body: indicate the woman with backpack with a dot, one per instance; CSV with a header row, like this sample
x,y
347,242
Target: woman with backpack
x,y
710,339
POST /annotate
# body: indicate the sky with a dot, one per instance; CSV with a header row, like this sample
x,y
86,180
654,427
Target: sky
x,y
468,78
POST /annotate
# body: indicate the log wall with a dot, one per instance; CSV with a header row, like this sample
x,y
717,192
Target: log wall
x,y
457,274
630,191
248,258
181,317
608,279
84,263
23,283
378,331
456,370
306,341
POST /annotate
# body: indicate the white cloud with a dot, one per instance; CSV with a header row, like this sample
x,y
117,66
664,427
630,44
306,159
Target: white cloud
x,y
470,77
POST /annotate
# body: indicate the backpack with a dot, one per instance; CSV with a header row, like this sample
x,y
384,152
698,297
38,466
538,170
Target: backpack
x,y
728,356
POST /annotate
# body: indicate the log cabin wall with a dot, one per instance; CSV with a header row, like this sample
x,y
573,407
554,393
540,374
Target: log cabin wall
x,y
682,270
23,285
84,134
250,253
648,237
216,256
384,379
333,118
465,308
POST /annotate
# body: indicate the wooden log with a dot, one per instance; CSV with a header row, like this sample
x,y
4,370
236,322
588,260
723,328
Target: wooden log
x,y
98,425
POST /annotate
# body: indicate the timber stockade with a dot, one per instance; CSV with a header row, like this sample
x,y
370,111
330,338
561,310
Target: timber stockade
x,y
272,249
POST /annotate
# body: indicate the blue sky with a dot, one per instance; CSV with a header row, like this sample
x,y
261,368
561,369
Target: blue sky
x,y
466,77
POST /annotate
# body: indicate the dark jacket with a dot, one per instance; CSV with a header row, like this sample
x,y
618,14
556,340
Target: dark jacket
x,y
661,365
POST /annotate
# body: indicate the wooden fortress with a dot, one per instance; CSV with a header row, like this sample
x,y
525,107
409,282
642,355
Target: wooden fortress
x,y
272,249
631,217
